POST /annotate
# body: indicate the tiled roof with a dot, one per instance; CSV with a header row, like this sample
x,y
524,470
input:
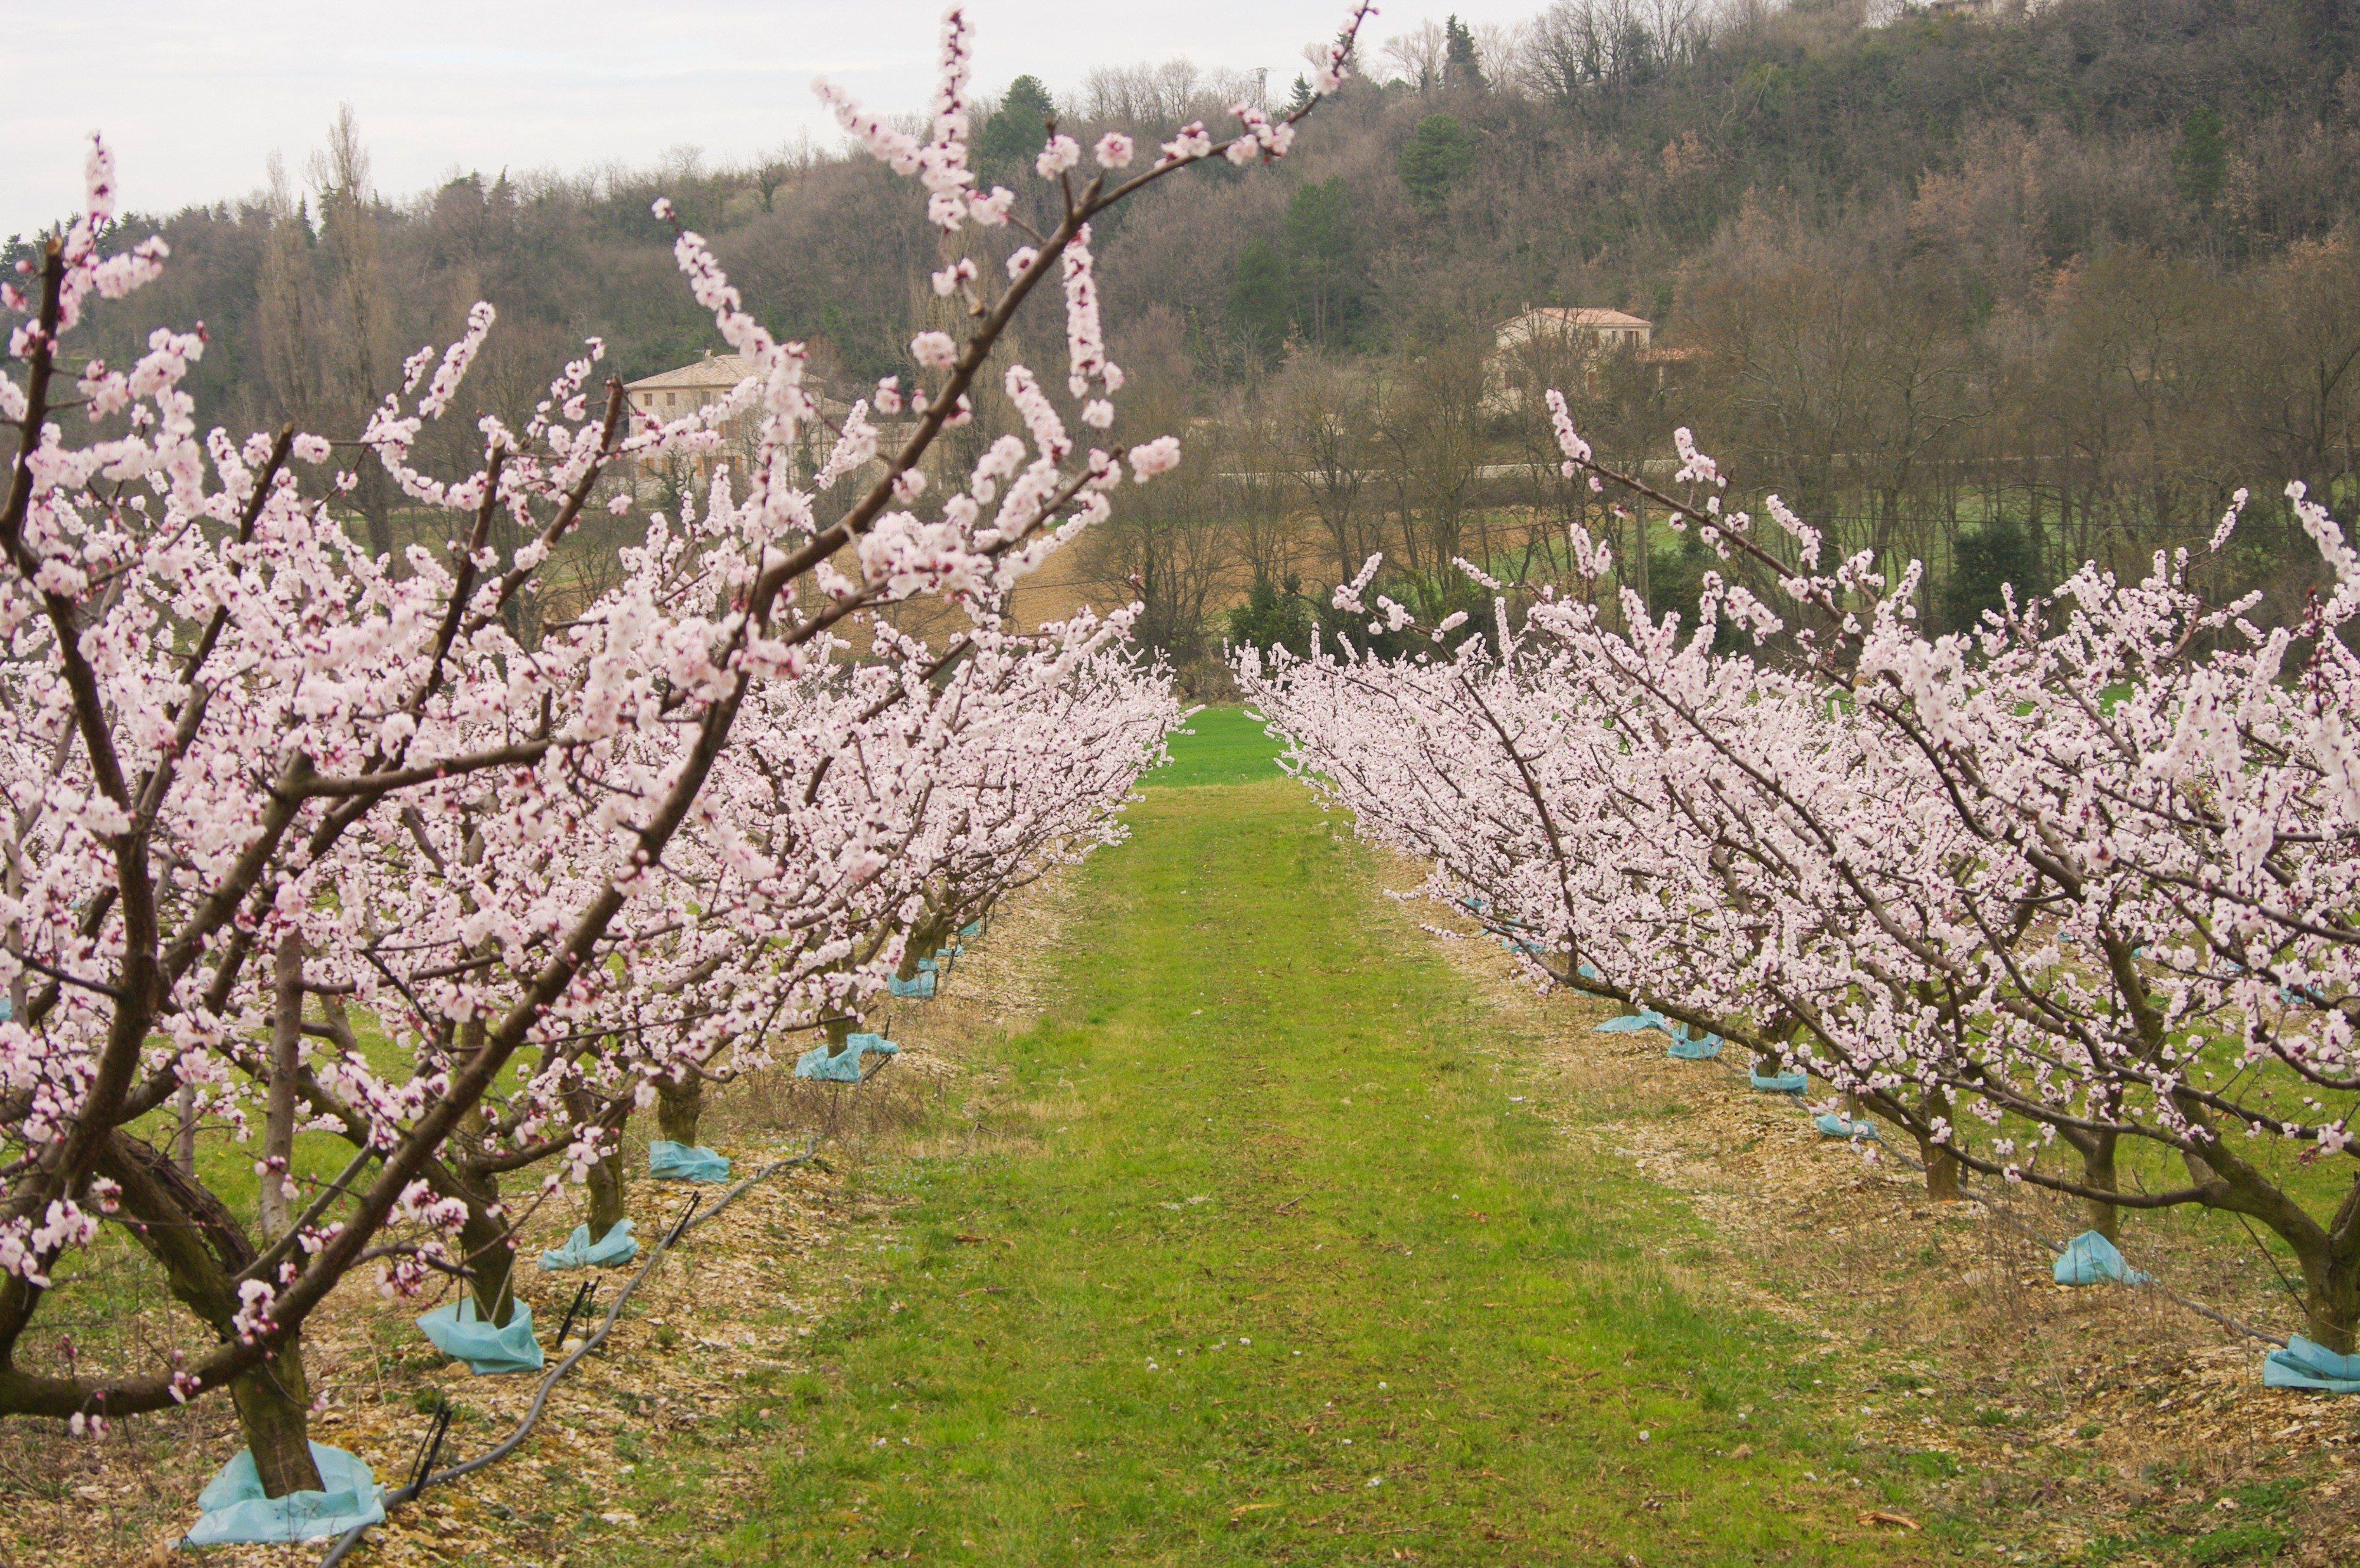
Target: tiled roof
x,y
721,370
1582,316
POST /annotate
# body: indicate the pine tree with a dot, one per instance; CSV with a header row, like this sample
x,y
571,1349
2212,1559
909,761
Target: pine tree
x,y
1012,137
2203,156
1262,302
1461,67
1438,155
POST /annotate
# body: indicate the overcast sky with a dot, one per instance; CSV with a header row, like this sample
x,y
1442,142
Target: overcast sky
x,y
195,94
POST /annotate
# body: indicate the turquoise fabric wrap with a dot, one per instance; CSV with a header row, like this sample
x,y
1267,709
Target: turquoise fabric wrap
x,y
2303,1364
920,987
1631,1023
615,1248
457,1331
2089,1258
670,1161
1778,1083
1833,1125
235,1513
1700,1049
843,1067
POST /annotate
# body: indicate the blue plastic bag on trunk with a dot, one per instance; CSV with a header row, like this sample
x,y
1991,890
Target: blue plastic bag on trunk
x,y
612,1250
670,1161
2303,1364
1833,1125
876,1043
1778,1083
457,1331
1700,1049
235,1511
1629,1023
2090,1257
843,1067
920,988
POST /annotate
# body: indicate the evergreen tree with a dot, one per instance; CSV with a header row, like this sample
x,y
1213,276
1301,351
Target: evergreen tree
x,y
1300,98
1461,67
1438,155
1982,563
1675,585
1274,616
1262,303
1323,253
2203,156
1011,138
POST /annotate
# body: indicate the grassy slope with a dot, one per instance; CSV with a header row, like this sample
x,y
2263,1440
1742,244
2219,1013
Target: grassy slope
x,y
1257,1120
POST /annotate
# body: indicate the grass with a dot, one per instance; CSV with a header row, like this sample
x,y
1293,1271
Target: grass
x,y
1273,1264
1222,746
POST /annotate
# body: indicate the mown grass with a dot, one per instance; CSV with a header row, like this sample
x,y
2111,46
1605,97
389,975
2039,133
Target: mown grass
x,y
1273,1263
1225,748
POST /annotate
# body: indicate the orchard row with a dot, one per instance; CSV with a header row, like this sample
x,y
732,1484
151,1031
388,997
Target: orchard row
x,y
305,839
2072,898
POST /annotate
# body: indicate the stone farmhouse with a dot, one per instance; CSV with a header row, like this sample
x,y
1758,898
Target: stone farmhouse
x,y
673,394
1556,343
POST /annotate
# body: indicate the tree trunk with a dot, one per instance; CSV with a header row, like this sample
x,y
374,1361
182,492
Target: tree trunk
x,y
2098,1171
274,1411
2333,1300
923,939
184,1133
202,1248
1941,1165
491,1258
604,1179
273,1208
605,1182
377,512
1639,555
484,1239
678,1105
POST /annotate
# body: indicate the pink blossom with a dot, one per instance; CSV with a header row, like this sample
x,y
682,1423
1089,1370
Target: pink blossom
x,y
1151,458
937,351
1061,153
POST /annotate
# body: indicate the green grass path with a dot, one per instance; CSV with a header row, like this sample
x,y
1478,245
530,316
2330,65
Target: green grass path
x,y
1281,1270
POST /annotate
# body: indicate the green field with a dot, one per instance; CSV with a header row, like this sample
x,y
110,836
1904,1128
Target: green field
x,y
1273,1262
1226,747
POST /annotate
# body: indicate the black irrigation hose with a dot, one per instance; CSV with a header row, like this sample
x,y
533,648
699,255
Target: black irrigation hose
x,y
1997,1211
689,1220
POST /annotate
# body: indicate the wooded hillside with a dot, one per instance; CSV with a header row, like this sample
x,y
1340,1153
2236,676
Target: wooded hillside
x,y
2002,292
